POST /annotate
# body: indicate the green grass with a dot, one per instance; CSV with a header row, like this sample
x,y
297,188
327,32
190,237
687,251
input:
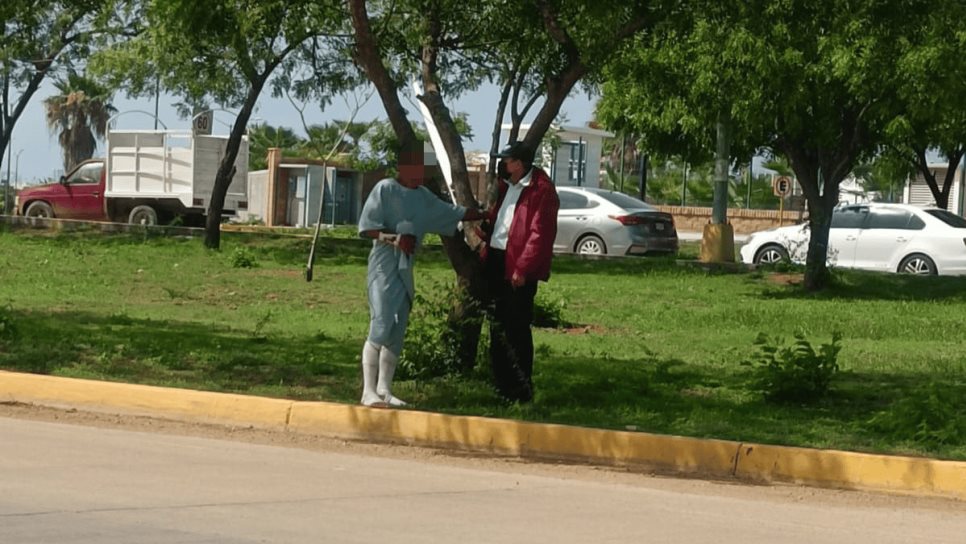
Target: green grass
x,y
656,345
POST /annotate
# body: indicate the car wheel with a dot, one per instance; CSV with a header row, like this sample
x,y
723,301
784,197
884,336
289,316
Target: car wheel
x,y
39,209
143,215
770,254
918,264
591,245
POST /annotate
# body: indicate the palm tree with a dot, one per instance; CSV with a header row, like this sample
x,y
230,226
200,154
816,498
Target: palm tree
x,y
79,116
262,137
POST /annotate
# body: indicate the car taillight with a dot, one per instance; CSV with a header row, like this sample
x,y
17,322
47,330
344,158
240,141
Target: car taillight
x,y
628,219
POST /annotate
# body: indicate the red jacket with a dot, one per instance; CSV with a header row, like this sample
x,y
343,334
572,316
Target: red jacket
x,y
529,247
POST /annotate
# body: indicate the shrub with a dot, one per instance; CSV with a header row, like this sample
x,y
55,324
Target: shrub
x,y
796,372
548,310
243,257
432,347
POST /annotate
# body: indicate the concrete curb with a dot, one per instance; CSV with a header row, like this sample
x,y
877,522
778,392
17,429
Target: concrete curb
x,y
673,454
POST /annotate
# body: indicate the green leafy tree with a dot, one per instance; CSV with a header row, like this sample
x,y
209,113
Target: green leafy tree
x,y
78,115
44,38
227,52
933,117
812,81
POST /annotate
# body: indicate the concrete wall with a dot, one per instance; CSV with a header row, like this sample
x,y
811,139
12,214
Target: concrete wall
x,y
693,219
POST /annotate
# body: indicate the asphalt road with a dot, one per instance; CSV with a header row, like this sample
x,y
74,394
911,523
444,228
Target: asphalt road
x,y
63,483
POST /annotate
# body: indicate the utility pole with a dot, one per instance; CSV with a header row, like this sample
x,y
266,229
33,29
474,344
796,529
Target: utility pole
x,y
643,176
722,163
157,98
751,180
623,146
684,186
718,240
6,183
16,171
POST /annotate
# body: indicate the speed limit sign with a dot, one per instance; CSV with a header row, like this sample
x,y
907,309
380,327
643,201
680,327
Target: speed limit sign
x,y
201,123
782,185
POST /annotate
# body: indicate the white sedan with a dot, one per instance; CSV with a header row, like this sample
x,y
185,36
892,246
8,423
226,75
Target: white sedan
x,y
887,237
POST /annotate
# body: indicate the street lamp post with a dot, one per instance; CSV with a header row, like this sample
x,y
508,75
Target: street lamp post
x,y
16,170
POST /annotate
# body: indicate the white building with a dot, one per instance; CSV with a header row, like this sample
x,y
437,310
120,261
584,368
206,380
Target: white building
x,y
917,191
575,160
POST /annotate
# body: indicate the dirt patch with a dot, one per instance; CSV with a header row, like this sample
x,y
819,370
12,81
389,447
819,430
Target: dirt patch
x,y
581,329
782,278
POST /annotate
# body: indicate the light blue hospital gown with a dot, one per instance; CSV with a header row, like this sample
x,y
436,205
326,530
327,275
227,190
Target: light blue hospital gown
x,y
394,208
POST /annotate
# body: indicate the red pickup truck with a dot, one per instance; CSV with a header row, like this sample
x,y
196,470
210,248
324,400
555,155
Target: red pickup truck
x,y
78,195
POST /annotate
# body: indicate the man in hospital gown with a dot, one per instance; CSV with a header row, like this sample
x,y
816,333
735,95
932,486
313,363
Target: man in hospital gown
x,y
396,215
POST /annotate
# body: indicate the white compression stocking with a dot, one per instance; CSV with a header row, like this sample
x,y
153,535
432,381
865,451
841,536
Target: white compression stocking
x,y
370,372
387,368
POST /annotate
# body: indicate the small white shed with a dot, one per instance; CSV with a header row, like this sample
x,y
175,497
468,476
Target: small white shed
x,y
575,160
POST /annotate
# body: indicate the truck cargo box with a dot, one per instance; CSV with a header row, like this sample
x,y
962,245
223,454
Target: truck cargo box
x,y
172,164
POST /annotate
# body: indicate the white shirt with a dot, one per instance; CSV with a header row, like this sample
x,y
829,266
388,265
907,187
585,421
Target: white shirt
x,y
504,218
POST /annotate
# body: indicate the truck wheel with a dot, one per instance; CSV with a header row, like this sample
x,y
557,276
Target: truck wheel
x,y
143,215
39,209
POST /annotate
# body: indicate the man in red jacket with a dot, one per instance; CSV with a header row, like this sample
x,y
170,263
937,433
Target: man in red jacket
x,y
524,222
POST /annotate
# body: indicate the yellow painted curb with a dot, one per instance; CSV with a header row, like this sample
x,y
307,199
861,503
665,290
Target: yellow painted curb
x,y
842,469
198,406
679,454
718,458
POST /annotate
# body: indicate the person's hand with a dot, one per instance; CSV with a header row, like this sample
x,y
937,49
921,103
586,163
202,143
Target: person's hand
x,y
406,243
475,215
517,280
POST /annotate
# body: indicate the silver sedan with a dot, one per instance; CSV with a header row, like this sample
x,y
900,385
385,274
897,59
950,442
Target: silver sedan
x,y
600,222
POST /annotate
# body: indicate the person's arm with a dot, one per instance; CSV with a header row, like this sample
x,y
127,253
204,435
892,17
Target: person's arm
x,y
405,242
539,245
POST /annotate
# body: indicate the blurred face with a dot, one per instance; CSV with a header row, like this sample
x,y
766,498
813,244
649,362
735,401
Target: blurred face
x,y
412,173
515,168
412,176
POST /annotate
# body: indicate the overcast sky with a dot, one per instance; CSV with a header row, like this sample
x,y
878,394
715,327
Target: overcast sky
x,y
36,155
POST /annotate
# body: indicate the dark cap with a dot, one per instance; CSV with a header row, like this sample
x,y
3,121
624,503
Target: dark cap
x,y
518,151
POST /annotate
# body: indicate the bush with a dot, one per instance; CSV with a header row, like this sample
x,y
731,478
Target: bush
x,y
795,373
931,416
243,257
432,347
548,310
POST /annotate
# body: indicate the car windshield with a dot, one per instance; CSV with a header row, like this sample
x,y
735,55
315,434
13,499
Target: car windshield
x,y
625,201
949,218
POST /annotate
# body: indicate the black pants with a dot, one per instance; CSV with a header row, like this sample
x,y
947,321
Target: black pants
x,y
511,340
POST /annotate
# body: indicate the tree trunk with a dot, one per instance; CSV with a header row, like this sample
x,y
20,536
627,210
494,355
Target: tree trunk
x,y
367,55
817,275
226,170
821,195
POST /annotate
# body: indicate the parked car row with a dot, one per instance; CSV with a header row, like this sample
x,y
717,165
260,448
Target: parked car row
x,y
887,237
